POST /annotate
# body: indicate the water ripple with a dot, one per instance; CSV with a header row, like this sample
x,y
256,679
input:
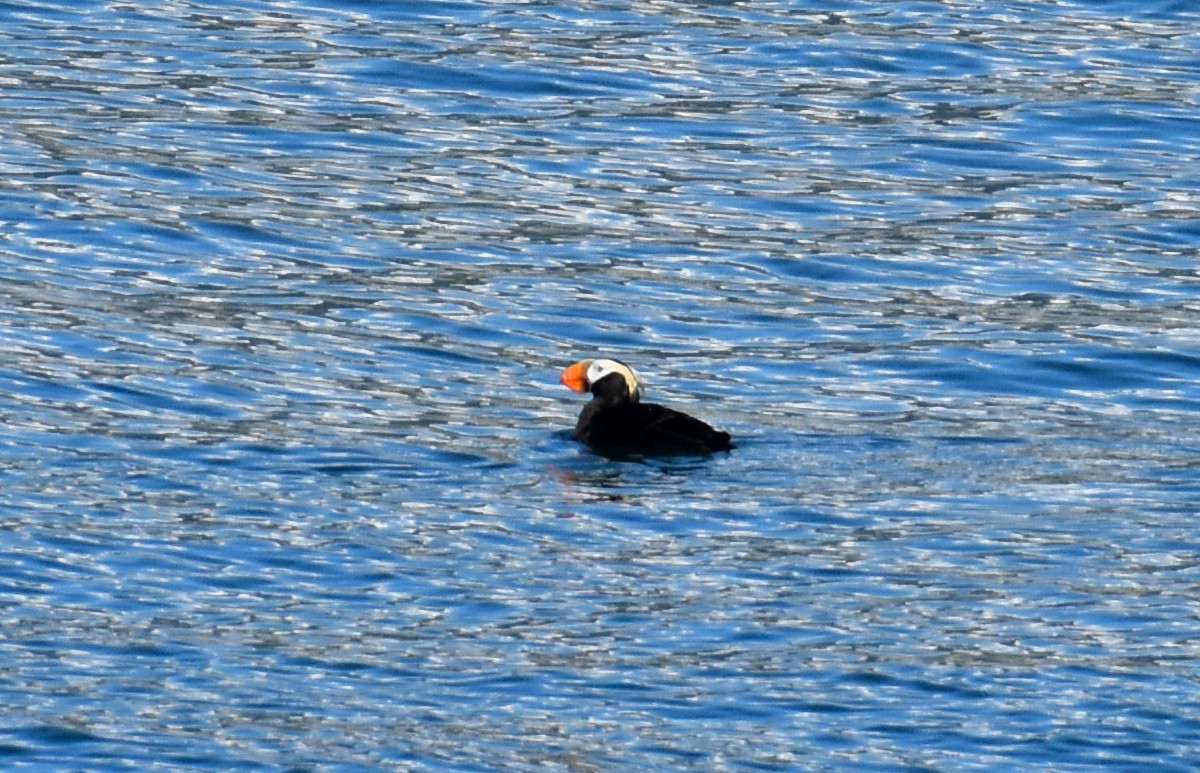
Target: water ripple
x,y
286,466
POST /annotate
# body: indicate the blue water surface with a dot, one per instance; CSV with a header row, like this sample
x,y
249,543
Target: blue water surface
x,y
286,478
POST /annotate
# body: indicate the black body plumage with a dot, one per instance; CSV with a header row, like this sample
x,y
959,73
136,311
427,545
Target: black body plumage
x,y
617,421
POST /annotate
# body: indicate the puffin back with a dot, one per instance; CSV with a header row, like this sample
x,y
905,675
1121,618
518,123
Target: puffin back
x,y
647,428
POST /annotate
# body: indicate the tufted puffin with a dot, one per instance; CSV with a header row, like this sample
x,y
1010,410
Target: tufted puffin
x,y
617,421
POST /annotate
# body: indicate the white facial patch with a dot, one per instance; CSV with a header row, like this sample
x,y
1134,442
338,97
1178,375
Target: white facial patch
x,y
601,368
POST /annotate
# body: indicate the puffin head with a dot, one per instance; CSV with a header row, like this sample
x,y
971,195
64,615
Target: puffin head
x,y
604,378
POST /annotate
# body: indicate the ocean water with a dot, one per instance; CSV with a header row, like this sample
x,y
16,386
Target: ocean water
x,y
286,480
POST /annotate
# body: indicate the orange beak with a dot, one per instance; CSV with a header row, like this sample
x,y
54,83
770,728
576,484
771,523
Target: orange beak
x,y
575,376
